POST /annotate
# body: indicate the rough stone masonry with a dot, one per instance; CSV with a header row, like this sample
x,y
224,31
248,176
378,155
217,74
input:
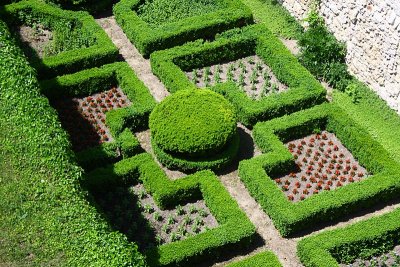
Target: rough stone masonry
x,y
371,31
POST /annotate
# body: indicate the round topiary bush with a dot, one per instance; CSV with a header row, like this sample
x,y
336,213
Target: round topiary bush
x,y
194,129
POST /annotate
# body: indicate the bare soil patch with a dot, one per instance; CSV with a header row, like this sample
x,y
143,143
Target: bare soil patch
x,y
251,74
84,118
35,39
324,164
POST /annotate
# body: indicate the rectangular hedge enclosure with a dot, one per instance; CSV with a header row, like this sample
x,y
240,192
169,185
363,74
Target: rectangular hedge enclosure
x,y
303,90
119,121
149,37
362,240
234,231
291,217
76,41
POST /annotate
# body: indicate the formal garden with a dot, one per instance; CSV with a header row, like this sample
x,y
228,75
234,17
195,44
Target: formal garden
x,y
189,133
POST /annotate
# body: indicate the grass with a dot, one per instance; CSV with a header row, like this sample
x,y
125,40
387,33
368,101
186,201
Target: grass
x,y
276,18
373,114
159,12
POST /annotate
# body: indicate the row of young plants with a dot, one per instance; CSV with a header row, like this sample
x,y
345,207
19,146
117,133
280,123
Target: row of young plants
x,y
234,231
120,121
147,39
80,42
304,91
47,203
291,217
362,240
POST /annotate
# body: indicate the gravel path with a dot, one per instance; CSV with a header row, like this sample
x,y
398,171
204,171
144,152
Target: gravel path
x,y
140,65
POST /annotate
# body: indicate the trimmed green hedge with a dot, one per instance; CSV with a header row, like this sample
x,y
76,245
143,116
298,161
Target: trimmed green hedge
x,y
214,161
364,239
264,259
148,40
193,123
47,213
101,52
234,231
291,217
169,65
120,121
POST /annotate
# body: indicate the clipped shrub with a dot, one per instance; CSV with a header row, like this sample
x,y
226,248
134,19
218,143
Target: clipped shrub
x,y
194,125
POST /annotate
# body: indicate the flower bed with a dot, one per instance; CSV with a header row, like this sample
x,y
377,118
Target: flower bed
x,y
85,118
323,162
391,258
250,74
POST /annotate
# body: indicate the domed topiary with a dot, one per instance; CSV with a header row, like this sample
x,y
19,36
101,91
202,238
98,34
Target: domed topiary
x,y
194,129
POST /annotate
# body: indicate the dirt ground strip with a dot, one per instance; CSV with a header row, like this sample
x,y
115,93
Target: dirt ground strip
x,y
37,38
251,74
284,248
131,55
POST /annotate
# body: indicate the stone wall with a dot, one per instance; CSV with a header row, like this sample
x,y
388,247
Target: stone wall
x,y
371,30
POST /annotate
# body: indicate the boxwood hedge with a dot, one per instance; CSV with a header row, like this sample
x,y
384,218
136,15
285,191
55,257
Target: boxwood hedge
x,y
305,91
265,259
120,121
102,50
47,211
291,217
235,230
148,40
364,239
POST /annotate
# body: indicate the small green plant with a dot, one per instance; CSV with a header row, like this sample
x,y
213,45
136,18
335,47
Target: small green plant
x,y
193,209
241,79
159,239
217,77
165,228
174,237
254,77
274,88
142,194
259,66
242,66
196,228
194,76
148,208
203,213
157,216
179,210
198,221
170,219
181,230
230,77
251,61
186,220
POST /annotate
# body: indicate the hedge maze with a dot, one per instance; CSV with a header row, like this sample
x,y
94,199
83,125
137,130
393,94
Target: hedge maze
x,y
222,71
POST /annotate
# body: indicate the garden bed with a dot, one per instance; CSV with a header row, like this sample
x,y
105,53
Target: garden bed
x,y
36,38
391,258
85,118
324,164
250,74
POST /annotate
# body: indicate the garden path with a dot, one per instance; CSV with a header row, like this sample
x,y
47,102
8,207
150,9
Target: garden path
x,y
140,65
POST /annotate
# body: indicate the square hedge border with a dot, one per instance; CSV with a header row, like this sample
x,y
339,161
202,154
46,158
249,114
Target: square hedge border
x,y
234,231
120,121
290,217
305,91
148,40
364,239
104,51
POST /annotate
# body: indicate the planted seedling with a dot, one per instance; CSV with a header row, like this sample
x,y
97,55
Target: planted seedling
x,y
196,229
142,194
194,76
203,213
165,228
192,209
148,208
179,210
157,216
174,237
170,219
186,220
274,88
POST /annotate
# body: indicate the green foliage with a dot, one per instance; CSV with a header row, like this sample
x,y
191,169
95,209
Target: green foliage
x,y
234,230
322,54
47,203
159,12
275,17
361,240
193,123
265,259
147,40
169,65
79,42
290,218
